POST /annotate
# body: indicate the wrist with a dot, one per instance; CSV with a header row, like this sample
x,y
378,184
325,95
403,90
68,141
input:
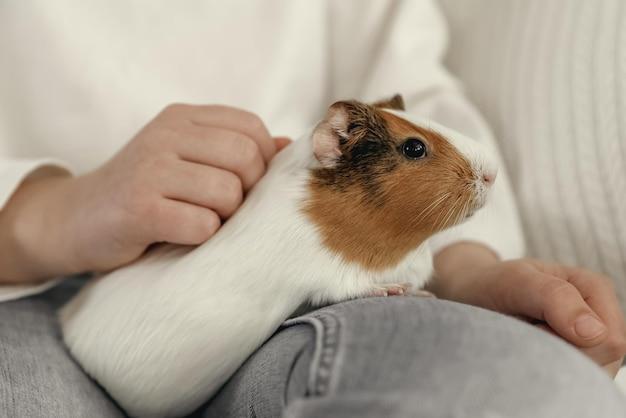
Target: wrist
x,y
456,265
36,238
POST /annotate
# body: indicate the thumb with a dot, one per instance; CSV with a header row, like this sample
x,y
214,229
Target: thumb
x,y
282,142
569,315
560,304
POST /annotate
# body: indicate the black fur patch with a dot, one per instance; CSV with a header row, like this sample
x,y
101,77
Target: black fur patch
x,y
368,153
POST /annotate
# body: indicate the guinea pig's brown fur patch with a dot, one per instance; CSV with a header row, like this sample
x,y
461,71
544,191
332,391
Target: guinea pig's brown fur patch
x,y
374,205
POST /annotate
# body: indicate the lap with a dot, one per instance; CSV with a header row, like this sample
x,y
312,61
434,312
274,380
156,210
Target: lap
x,y
407,356
373,357
38,378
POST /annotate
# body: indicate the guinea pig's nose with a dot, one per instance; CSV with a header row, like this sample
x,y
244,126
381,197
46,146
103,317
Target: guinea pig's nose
x,y
489,177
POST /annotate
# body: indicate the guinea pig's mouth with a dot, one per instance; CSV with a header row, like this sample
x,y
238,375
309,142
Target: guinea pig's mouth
x,y
478,202
471,207
472,210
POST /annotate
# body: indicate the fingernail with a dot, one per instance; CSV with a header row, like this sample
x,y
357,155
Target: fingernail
x,y
588,327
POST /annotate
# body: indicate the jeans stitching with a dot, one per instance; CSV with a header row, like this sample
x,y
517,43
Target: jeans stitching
x,y
328,349
327,344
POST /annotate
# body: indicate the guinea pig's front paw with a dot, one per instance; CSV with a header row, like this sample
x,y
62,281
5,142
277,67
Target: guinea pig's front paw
x,y
394,289
389,289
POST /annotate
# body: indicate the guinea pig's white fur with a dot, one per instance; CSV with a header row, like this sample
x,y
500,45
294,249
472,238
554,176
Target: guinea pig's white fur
x,y
163,334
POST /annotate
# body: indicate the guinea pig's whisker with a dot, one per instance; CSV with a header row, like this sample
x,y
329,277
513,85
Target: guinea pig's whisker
x,y
436,204
440,217
436,223
450,213
462,213
433,205
428,208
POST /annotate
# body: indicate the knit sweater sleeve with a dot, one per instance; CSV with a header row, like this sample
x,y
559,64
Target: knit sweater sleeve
x,y
13,172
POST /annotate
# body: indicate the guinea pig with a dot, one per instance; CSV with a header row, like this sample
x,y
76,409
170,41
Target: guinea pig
x,y
344,212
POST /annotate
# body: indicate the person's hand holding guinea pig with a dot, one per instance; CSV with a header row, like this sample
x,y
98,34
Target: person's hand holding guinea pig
x,y
575,304
175,181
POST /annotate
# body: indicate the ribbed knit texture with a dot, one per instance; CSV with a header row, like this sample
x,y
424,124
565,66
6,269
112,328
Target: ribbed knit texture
x,y
550,77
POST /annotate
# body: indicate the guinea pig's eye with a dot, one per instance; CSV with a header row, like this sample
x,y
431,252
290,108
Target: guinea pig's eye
x,y
414,149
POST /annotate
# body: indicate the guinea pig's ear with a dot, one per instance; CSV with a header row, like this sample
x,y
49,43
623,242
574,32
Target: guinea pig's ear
x,y
395,103
329,133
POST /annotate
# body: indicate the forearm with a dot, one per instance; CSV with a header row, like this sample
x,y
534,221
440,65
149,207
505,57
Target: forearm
x,y
33,244
454,266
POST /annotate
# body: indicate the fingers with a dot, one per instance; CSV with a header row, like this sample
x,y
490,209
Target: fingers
x,y
599,295
542,296
184,223
221,152
598,292
206,186
228,150
566,311
597,321
229,118
281,142
613,368
574,304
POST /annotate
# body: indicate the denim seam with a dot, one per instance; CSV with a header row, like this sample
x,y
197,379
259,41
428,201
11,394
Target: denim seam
x,y
325,379
327,346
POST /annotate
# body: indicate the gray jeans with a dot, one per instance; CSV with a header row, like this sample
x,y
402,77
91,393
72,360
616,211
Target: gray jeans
x,y
379,357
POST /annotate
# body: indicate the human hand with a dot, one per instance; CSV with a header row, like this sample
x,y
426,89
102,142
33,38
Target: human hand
x,y
575,304
183,174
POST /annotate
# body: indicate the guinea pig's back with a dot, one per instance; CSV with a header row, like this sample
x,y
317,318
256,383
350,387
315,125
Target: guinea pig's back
x,y
154,334
113,326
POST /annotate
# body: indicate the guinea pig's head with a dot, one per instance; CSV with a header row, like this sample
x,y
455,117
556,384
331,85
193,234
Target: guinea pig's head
x,y
384,182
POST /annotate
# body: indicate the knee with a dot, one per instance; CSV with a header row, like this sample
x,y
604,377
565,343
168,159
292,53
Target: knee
x,y
471,354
